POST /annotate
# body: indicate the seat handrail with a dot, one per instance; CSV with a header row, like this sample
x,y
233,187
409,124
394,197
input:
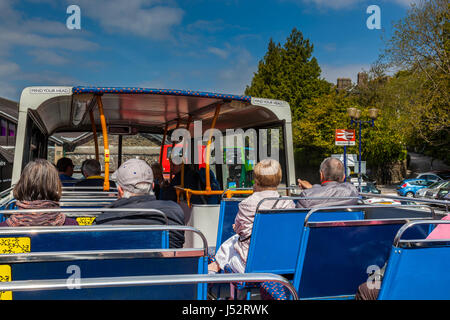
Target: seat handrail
x,y
314,210
111,199
79,204
85,283
105,254
431,201
83,187
224,193
5,192
101,228
302,198
85,210
401,231
93,193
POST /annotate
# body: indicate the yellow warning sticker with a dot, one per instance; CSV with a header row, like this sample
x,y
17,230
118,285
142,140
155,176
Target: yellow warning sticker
x,y
85,221
5,276
14,245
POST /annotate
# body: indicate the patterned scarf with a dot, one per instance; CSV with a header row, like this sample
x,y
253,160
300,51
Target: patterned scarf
x,y
32,219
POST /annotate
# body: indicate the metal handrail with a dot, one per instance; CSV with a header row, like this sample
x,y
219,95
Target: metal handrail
x,y
100,228
313,210
84,210
408,225
85,283
112,199
251,188
5,192
432,201
302,198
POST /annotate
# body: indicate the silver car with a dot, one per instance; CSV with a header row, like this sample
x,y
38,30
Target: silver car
x,y
432,191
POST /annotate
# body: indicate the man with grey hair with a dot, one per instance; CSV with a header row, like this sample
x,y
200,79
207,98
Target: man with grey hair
x,y
134,181
92,170
331,185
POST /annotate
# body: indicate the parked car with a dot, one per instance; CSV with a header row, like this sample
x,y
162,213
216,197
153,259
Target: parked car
x,y
364,178
409,187
434,176
433,190
444,193
368,187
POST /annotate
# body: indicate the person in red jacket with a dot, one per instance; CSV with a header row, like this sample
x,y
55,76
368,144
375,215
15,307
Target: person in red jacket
x,y
39,187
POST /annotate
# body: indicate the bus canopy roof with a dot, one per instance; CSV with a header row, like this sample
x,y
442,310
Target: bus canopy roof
x,y
60,109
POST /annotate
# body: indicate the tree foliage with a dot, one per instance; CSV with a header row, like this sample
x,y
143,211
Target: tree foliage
x,y
420,49
289,73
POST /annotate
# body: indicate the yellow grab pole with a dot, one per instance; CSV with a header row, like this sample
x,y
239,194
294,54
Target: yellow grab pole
x,y
105,142
94,131
208,148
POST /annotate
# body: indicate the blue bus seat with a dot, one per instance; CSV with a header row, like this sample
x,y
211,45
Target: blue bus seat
x,y
276,237
55,252
80,238
417,269
127,263
334,257
278,252
227,213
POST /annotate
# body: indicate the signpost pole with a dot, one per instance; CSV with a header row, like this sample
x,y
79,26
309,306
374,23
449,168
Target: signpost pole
x,y
345,163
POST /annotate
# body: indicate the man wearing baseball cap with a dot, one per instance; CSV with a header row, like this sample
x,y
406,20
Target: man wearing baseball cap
x,y
134,180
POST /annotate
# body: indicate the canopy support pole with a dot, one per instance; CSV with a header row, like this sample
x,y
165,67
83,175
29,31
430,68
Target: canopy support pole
x,y
119,160
208,149
105,142
182,165
173,145
94,131
161,150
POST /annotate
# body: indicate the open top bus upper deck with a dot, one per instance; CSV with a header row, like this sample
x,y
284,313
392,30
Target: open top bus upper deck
x,y
45,111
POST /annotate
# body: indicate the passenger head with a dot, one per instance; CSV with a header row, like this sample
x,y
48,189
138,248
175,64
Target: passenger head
x,y
267,174
91,167
65,166
332,169
157,170
39,181
174,168
133,178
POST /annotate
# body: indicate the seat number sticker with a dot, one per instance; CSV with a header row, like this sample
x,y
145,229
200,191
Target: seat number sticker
x,y
5,276
14,245
85,221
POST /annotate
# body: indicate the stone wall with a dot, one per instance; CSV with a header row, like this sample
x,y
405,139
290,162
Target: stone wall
x,y
134,146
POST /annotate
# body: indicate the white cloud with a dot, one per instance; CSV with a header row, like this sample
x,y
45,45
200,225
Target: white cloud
x,y
238,74
345,4
48,57
222,53
139,17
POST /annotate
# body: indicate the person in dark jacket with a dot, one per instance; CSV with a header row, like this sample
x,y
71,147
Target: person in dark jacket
x,y
92,170
39,187
134,181
65,168
332,185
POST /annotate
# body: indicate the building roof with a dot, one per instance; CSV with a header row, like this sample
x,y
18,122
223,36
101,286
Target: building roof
x,y
9,109
7,153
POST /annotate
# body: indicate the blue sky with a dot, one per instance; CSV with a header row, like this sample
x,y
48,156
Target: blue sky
x,y
181,44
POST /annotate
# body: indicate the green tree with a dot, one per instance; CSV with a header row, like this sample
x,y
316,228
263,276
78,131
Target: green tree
x,y
420,92
289,73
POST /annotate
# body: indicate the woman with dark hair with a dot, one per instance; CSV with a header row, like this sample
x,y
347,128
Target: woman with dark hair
x,y
39,187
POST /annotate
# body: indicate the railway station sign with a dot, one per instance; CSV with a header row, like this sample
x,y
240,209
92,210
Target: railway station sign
x,y
345,137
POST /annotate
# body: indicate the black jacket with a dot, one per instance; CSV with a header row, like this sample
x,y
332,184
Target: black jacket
x,y
172,210
93,183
